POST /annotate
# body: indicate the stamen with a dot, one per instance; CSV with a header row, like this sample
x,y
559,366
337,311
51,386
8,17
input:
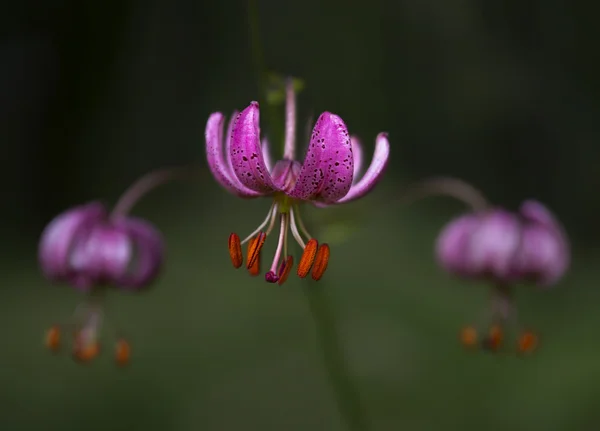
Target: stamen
x,y
294,229
308,258
494,338
271,276
301,223
528,342
52,340
235,250
468,337
85,350
270,218
254,249
321,261
122,352
255,269
285,269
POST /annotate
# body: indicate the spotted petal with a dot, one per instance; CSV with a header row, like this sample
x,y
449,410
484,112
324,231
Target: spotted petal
x,y
328,169
148,250
59,237
246,152
219,166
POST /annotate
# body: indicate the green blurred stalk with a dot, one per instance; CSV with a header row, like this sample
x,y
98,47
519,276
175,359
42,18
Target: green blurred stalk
x,y
346,394
273,121
321,310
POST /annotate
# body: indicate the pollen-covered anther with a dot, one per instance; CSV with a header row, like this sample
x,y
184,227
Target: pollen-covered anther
x,y
321,261
254,270
52,340
122,352
285,269
494,339
235,250
308,258
254,248
527,342
86,352
468,337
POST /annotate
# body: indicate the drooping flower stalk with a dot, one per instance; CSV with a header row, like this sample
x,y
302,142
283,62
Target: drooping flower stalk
x,y
502,248
94,250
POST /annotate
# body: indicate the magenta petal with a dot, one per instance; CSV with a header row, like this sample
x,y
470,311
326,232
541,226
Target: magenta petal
x,y
374,172
357,152
102,255
453,243
220,167
266,152
495,244
59,236
246,152
545,252
328,167
537,212
544,256
149,253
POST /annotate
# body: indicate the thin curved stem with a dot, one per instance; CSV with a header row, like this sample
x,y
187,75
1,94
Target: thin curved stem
x,y
346,394
143,185
447,186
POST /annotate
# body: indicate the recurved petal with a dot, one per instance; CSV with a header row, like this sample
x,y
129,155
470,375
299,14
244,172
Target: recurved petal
x,y
59,237
103,254
544,256
374,172
148,248
266,152
217,164
495,245
452,245
357,152
328,168
246,153
537,212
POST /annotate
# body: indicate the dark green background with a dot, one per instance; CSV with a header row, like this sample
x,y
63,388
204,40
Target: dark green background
x,y
501,93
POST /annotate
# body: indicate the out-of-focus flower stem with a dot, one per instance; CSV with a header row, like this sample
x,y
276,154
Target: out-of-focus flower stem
x,y
346,394
276,129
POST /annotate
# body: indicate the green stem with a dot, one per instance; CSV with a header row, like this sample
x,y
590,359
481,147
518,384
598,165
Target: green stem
x,y
262,77
346,395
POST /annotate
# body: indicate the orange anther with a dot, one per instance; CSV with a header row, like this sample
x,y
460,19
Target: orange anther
x,y
321,261
122,352
235,250
495,337
285,269
254,270
527,342
308,258
87,352
254,249
53,338
468,337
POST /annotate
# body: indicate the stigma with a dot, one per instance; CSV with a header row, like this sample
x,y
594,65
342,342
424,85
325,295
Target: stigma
x,y
284,213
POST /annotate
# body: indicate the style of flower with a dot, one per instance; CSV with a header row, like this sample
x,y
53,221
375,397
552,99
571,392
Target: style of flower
x,y
503,248
92,250
329,175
